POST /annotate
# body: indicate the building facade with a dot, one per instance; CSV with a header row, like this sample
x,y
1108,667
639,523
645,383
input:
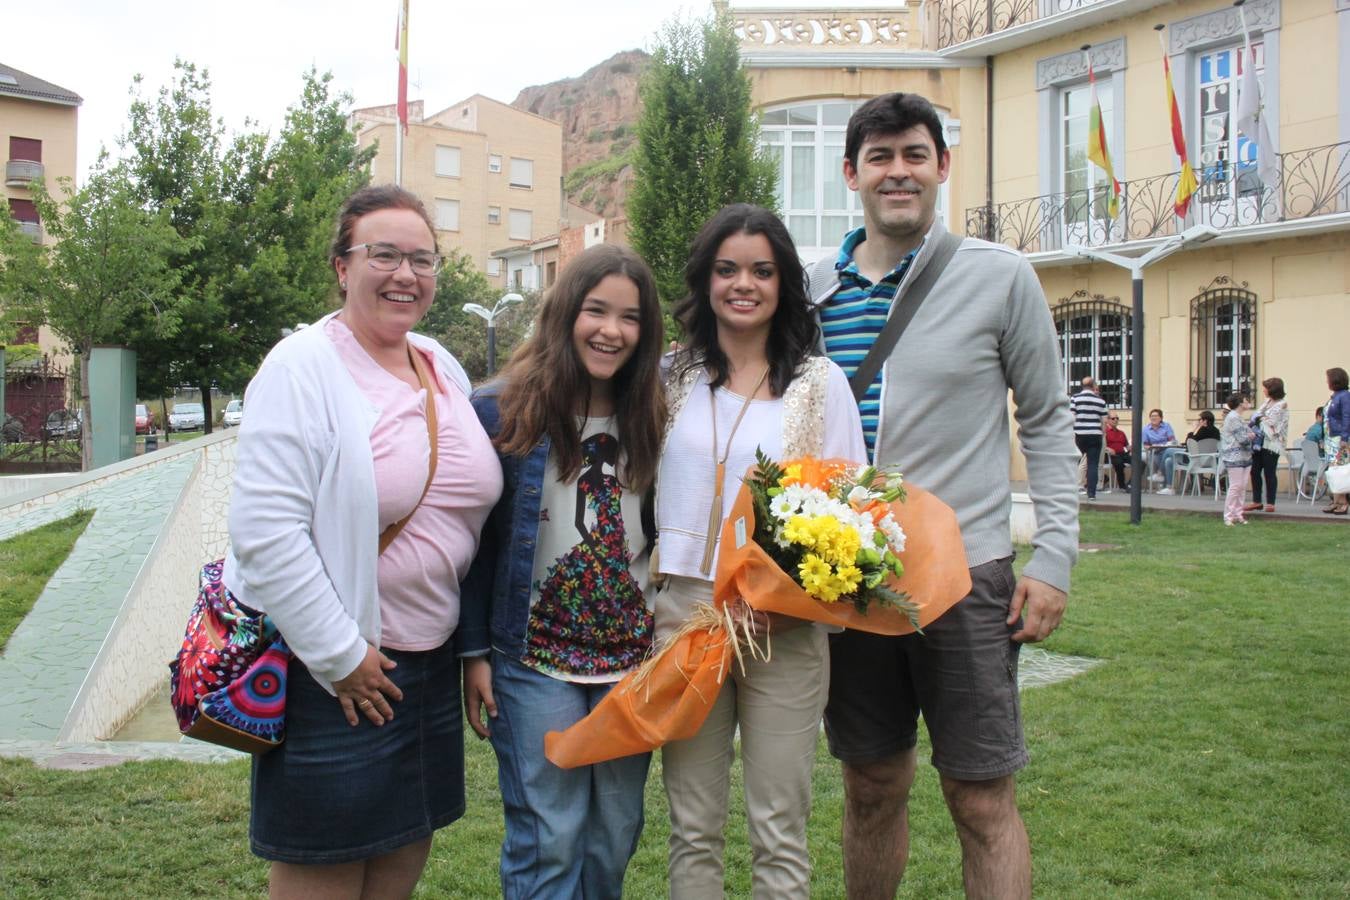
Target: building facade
x,y
490,174
1267,294
38,123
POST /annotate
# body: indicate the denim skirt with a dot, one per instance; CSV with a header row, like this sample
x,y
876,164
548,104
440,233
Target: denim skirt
x,y
333,793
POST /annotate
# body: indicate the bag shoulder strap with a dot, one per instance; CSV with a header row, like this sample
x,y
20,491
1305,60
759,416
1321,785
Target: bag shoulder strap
x,y
387,536
946,246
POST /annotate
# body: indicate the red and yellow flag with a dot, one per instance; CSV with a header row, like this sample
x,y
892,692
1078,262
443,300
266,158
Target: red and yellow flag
x,y
1097,149
1186,183
401,45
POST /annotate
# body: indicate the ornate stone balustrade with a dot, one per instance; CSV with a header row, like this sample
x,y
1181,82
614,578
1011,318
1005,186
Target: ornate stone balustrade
x,y
1313,182
832,29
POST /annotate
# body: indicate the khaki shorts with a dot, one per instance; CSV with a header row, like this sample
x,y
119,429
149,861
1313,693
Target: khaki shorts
x,y
961,674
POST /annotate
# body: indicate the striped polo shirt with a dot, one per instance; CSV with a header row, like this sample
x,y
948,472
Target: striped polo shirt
x,y
852,319
1088,411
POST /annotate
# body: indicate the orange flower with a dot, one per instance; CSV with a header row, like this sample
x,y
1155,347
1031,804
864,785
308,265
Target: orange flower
x,y
811,472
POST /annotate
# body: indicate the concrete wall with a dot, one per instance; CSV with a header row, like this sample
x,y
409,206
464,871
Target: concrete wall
x,y
131,663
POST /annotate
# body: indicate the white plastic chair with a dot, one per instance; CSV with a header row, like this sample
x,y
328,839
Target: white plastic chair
x,y
1314,469
1199,458
1293,462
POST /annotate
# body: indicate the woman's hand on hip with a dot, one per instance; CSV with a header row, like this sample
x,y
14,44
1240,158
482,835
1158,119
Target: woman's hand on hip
x,y
478,695
368,691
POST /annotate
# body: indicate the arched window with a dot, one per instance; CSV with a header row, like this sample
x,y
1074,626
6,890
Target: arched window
x,y
1094,339
1223,342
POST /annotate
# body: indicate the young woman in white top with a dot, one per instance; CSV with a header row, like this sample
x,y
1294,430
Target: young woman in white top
x,y
745,378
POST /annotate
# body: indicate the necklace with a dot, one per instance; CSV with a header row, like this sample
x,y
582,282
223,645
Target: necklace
x,y
720,469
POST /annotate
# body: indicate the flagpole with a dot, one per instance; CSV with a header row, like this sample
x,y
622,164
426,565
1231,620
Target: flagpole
x,y
401,114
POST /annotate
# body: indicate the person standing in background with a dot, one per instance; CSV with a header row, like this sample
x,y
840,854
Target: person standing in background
x,y
1273,419
1088,409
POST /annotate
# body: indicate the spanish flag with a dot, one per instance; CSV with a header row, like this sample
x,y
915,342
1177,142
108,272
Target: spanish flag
x,y
401,45
1096,145
1186,183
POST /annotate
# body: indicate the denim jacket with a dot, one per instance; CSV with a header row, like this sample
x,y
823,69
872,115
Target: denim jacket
x,y
495,598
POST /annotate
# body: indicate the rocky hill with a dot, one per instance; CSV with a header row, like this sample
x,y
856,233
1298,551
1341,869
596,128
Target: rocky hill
x,y
598,112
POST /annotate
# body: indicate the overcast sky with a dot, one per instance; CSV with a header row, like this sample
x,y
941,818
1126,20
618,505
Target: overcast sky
x,y
257,50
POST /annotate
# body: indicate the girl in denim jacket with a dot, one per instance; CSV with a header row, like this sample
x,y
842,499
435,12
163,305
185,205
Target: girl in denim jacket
x,y
554,604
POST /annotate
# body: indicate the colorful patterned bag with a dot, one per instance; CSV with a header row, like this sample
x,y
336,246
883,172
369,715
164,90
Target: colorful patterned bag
x,y
228,684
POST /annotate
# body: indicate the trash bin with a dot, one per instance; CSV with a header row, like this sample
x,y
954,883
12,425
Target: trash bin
x,y
151,442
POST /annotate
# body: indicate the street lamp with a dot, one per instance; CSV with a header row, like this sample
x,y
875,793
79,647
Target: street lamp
x,y
490,316
1196,234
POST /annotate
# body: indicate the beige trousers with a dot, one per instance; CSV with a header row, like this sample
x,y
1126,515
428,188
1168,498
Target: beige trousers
x,y
777,706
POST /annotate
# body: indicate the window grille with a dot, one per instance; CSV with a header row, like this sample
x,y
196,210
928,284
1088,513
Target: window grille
x,y
1094,340
1223,342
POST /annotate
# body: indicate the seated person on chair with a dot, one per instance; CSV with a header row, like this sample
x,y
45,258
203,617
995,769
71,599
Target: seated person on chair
x,y
1317,433
1158,433
1117,448
1204,428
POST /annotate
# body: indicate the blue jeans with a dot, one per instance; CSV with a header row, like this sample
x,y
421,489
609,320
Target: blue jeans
x,y
569,832
1166,460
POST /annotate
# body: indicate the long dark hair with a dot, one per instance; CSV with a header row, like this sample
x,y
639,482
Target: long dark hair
x,y
793,333
545,377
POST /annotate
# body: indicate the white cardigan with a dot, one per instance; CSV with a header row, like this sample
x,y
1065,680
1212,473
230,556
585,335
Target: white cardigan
x,y
303,517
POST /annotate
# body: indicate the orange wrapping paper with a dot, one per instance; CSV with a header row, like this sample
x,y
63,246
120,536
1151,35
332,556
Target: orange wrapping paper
x,y
936,575
673,701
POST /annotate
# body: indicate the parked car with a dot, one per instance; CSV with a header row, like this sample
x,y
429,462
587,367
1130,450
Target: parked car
x,y
63,423
145,423
187,417
233,415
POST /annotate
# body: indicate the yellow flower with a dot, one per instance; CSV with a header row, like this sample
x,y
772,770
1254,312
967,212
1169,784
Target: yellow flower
x,y
850,577
799,530
792,474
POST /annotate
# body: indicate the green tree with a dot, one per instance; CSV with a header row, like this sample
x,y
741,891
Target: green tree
x,y
465,334
696,149
113,260
263,211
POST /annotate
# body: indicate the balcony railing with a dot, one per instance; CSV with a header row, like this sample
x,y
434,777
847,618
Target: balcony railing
x,y
19,172
966,20
33,230
1313,183
823,29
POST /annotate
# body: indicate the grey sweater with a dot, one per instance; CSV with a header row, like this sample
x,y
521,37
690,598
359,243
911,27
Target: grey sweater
x,y
984,329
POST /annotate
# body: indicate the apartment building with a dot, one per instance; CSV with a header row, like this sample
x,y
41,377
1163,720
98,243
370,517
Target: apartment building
x,y
37,132
490,174
1262,289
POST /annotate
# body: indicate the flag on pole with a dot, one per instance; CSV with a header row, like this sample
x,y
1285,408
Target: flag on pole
x,y
1097,150
1186,183
401,45
1251,116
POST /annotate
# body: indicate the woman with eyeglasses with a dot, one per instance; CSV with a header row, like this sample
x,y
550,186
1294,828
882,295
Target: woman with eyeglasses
x,y
362,481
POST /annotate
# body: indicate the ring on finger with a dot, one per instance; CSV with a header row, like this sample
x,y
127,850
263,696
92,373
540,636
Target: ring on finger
x,y
365,703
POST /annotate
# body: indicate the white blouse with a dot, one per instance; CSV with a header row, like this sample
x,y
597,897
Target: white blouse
x,y
686,476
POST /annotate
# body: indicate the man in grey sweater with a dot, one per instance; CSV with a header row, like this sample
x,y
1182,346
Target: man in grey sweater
x,y
938,411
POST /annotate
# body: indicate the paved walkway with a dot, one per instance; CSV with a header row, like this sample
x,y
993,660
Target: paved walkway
x,y
1285,507
52,650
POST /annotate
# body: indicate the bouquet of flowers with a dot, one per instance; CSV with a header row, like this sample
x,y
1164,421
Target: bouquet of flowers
x,y
827,541
829,525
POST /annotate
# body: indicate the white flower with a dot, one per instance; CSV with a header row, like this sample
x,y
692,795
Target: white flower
x,y
783,506
859,495
895,535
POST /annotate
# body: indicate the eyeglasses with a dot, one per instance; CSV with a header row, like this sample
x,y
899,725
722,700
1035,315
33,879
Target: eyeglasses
x,y
387,258
1112,419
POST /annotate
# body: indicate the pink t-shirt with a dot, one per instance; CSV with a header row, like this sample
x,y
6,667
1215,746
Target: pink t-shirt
x,y
419,573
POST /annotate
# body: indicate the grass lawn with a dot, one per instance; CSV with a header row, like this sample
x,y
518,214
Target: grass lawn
x,y
27,561
1206,758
